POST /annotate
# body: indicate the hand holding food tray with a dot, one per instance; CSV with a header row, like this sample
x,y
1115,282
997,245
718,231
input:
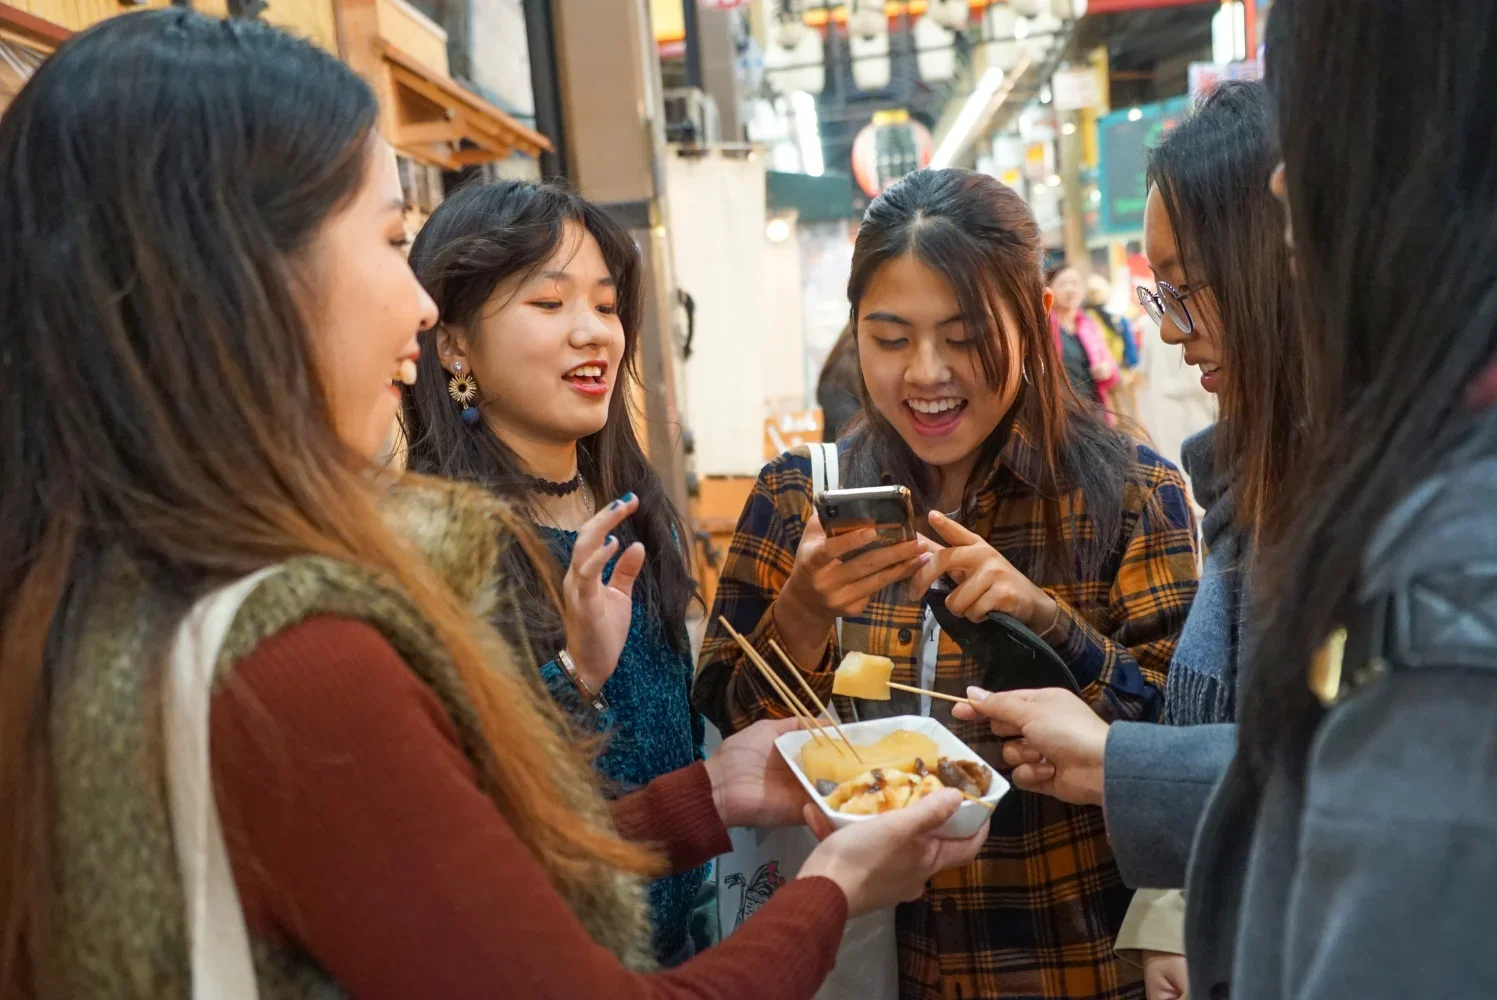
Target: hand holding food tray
x,y
906,759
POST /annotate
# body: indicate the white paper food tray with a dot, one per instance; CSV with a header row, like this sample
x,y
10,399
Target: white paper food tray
x,y
969,817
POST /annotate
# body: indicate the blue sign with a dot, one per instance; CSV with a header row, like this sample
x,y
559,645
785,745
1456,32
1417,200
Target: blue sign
x,y
1124,139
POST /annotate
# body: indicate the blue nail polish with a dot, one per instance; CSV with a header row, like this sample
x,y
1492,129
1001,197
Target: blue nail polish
x,y
615,505
613,540
628,496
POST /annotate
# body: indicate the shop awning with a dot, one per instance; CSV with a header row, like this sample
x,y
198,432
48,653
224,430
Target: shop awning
x,y
17,63
25,41
437,121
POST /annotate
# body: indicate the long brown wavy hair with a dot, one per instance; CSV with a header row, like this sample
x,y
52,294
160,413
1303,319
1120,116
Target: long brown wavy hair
x,y
161,179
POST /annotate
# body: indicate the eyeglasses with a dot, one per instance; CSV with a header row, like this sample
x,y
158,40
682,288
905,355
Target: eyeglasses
x,y
1170,301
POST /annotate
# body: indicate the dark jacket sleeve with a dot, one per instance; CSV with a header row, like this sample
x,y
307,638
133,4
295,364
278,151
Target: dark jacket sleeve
x,y
1397,872
1396,888
1158,779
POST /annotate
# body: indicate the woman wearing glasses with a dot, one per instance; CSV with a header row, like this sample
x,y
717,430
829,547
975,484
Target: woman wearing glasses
x,y
1213,237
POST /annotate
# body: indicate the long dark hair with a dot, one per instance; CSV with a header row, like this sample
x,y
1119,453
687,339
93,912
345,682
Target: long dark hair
x,y
477,239
1391,186
1212,172
163,177
981,237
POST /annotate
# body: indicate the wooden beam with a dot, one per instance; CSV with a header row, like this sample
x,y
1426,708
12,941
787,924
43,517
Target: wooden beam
x,y
30,27
419,133
477,157
448,94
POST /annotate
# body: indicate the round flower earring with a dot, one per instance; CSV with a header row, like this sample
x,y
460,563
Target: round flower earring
x,y
464,392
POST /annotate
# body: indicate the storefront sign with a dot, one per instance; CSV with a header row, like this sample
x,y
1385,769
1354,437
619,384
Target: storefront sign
x,y
1124,140
784,431
1075,89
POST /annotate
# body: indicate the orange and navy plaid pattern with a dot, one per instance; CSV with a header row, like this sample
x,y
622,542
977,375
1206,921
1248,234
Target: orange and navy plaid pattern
x,y
1036,914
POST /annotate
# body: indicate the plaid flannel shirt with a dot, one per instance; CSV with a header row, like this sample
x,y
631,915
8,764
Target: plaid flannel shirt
x,y
1036,914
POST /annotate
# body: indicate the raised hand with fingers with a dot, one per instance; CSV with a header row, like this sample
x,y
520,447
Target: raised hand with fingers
x,y
985,580
830,581
596,614
1055,742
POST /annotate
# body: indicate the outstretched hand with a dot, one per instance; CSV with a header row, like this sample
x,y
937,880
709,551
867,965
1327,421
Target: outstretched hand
x,y
1055,742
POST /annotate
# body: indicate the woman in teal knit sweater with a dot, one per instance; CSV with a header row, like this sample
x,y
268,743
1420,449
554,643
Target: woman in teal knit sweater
x,y
526,386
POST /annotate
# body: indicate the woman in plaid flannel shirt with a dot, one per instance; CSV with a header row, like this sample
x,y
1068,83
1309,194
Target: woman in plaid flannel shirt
x,y
1054,518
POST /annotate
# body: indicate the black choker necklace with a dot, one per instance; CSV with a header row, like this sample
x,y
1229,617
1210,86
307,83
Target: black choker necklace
x,y
536,484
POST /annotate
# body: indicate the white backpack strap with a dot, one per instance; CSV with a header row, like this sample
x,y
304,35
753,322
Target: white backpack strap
x,y
826,474
222,965
833,466
818,470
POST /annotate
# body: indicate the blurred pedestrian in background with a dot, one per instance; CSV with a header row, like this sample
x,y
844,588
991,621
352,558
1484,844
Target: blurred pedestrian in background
x,y
1088,363
837,388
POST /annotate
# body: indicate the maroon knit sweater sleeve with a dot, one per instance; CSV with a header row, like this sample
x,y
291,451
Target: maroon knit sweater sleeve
x,y
357,832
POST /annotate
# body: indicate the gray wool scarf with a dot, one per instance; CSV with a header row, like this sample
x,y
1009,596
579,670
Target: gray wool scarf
x,y
1202,684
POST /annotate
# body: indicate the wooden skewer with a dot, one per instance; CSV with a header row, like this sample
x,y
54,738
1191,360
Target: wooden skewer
x,y
986,805
786,695
790,664
931,694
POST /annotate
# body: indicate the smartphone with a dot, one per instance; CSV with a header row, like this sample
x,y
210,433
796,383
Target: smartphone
x,y
887,509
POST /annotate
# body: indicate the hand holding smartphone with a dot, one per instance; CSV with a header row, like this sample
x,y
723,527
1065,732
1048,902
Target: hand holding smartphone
x,y
886,509
859,542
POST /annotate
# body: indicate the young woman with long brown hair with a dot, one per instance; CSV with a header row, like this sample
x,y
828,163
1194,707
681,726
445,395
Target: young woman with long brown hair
x,y
202,341
541,297
1046,513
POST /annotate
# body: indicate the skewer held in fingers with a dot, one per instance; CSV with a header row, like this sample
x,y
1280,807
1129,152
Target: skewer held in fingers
x,y
931,694
779,687
790,664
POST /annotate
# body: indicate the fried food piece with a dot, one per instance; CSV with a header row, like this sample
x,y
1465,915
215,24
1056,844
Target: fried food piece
x,y
880,791
965,776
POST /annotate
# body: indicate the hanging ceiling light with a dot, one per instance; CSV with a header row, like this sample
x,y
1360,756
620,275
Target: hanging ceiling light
x,y
866,19
789,29
954,15
934,53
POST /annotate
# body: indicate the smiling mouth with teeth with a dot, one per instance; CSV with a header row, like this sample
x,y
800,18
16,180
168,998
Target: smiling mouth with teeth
x,y
588,378
931,407
936,417
405,373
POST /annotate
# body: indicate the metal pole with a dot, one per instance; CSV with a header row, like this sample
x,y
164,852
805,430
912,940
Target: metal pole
x,y
693,42
545,85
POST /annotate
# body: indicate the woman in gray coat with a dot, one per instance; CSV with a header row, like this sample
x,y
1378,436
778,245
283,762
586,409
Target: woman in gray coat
x,y
1213,234
1350,850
